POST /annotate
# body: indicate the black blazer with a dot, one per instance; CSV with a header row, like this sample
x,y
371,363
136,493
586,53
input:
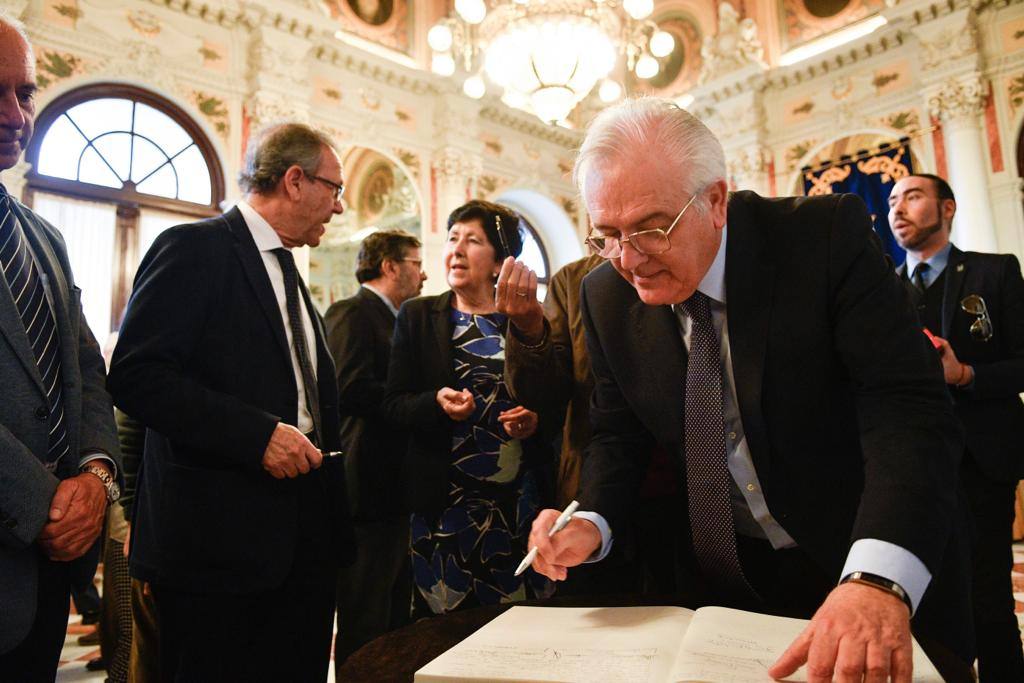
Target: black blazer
x,y
204,363
990,409
421,363
842,400
359,333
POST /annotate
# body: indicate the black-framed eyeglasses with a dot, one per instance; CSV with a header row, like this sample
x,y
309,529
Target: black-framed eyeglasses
x,y
649,242
339,188
981,329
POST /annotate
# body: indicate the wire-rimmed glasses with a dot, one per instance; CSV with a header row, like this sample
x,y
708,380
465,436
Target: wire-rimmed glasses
x,y
650,242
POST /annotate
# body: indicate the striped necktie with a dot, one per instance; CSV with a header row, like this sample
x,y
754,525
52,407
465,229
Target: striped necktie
x,y
29,295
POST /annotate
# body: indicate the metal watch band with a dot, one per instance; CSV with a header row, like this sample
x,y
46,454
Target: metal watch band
x,y
112,489
880,582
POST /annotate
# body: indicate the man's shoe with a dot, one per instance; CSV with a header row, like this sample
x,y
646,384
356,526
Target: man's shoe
x,y
90,618
90,638
95,664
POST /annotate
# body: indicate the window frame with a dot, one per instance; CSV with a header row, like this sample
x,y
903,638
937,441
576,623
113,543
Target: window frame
x,y
129,203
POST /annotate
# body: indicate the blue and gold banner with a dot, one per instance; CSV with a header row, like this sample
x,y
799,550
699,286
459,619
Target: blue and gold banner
x,y
871,177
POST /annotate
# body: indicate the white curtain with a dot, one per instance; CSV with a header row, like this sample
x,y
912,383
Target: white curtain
x,y
152,223
88,229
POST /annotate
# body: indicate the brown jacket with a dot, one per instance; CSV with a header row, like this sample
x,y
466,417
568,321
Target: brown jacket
x,y
555,379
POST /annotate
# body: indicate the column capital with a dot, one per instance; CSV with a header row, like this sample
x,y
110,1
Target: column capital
x,y
958,99
454,165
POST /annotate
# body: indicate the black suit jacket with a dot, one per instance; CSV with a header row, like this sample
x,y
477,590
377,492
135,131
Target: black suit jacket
x,y
990,408
359,333
842,400
421,363
204,363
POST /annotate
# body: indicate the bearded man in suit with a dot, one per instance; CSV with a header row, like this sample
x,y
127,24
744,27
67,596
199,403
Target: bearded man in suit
x,y
973,304
58,445
769,346
239,523
373,596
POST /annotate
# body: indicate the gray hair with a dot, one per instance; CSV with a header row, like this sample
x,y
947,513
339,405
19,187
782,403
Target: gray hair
x,y
679,135
8,19
276,149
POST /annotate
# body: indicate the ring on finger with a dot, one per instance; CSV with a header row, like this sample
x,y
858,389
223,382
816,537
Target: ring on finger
x,y
520,293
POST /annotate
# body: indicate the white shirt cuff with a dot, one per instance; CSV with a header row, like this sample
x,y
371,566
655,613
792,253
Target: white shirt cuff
x,y
98,455
892,562
606,535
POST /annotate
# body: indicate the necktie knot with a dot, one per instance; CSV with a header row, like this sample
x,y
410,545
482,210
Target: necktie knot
x,y
920,270
698,308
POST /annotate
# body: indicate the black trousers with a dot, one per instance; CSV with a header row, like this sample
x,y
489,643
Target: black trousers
x,y
36,658
281,634
1000,657
374,593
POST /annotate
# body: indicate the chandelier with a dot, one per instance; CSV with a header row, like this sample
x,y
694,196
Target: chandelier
x,y
546,56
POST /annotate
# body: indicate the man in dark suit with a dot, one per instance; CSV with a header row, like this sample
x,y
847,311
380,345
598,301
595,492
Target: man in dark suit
x,y
239,522
372,595
58,445
780,360
974,305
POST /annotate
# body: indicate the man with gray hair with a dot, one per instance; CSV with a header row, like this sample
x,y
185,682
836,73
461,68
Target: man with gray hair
x,y
769,345
58,444
241,518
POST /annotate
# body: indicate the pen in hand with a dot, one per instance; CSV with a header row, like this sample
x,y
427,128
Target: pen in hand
x,y
559,524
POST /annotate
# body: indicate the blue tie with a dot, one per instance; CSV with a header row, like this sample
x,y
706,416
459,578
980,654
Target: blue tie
x,y
29,295
707,470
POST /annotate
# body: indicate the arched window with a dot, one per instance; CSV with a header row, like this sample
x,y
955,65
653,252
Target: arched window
x,y
536,257
112,167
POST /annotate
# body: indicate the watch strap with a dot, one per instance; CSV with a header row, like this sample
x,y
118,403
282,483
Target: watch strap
x,y
881,583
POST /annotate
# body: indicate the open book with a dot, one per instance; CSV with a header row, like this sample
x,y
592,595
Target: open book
x,y
626,645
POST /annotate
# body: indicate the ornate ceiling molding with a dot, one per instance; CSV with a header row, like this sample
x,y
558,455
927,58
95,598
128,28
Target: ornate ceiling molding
x,y
526,123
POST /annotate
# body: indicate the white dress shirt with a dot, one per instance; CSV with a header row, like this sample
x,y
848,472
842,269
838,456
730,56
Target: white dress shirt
x,y
266,241
383,297
750,510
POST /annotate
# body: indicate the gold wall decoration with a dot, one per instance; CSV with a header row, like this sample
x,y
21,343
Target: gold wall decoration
x,y
53,66
215,111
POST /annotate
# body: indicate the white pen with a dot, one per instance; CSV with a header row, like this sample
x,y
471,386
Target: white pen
x,y
559,524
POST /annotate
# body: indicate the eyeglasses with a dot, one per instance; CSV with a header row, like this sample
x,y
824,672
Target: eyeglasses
x,y
339,188
981,329
415,261
648,242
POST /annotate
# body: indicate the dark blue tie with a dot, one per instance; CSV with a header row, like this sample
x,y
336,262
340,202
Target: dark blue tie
x,y
291,298
26,287
707,470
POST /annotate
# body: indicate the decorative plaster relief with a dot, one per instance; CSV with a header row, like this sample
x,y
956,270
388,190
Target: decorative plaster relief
x,y
746,162
735,46
571,207
215,110
1012,35
565,167
53,67
65,13
214,56
410,159
492,144
797,152
1015,92
141,61
907,121
959,98
797,110
948,45
891,77
146,24
405,117
453,165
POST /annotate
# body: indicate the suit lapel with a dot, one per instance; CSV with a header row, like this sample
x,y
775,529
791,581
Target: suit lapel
x,y
956,271
256,272
749,282
442,321
661,356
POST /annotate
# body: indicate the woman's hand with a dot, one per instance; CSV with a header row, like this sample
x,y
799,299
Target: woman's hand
x,y
519,422
458,405
516,297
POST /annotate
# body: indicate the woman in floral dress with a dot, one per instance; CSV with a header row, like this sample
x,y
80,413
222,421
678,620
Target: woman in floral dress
x,y
474,477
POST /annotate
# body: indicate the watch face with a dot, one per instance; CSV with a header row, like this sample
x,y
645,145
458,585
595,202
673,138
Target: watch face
x,y
114,492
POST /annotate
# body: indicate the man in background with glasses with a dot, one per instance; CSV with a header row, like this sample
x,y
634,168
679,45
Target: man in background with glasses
x,y
768,345
373,593
973,304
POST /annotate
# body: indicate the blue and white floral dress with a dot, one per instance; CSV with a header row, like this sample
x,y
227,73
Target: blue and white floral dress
x,y
466,556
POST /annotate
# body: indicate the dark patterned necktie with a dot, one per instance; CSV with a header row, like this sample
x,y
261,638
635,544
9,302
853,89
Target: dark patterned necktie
x,y
707,470
918,279
30,299
292,302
